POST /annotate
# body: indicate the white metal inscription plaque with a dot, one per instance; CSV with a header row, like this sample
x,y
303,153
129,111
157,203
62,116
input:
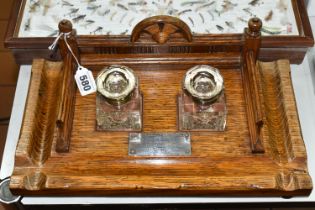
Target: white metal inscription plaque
x,y
159,144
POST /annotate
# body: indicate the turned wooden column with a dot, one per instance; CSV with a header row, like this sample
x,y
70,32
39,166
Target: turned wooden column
x,y
252,37
65,27
68,90
252,43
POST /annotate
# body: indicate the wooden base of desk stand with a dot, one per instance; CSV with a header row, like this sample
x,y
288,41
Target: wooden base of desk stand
x,y
261,152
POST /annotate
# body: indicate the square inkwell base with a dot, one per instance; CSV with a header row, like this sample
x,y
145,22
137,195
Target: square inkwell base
x,y
126,117
194,116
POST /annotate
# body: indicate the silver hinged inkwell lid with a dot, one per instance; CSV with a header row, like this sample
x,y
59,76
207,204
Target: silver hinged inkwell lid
x,y
116,83
204,83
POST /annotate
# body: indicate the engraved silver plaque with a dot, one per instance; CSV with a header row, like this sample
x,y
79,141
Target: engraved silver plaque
x,y
159,144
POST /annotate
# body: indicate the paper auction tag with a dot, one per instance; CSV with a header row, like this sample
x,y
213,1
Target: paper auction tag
x,y
85,81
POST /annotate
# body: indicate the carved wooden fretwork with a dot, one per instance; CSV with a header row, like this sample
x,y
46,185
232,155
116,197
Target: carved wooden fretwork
x,y
161,28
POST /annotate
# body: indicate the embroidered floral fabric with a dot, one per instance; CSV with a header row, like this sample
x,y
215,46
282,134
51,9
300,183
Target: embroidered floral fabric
x,y
115,17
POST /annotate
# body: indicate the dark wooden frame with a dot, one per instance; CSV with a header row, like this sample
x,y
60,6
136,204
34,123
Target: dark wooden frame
x,y
293,48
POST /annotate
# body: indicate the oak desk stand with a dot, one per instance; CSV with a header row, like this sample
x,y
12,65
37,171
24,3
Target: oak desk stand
x,y
260,153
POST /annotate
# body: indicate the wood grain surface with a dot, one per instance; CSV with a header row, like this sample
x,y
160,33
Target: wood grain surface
x,y
68,86
221,163
251,50
43,120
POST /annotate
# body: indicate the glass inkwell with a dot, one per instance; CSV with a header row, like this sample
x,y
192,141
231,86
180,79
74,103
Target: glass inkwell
x,y
201,105
118,100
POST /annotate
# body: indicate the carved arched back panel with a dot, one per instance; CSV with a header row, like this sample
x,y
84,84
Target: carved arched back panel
x,y
161,28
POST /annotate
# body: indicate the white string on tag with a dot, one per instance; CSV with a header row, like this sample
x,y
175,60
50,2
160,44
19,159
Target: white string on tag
x,y
83,76
54,44
65,36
